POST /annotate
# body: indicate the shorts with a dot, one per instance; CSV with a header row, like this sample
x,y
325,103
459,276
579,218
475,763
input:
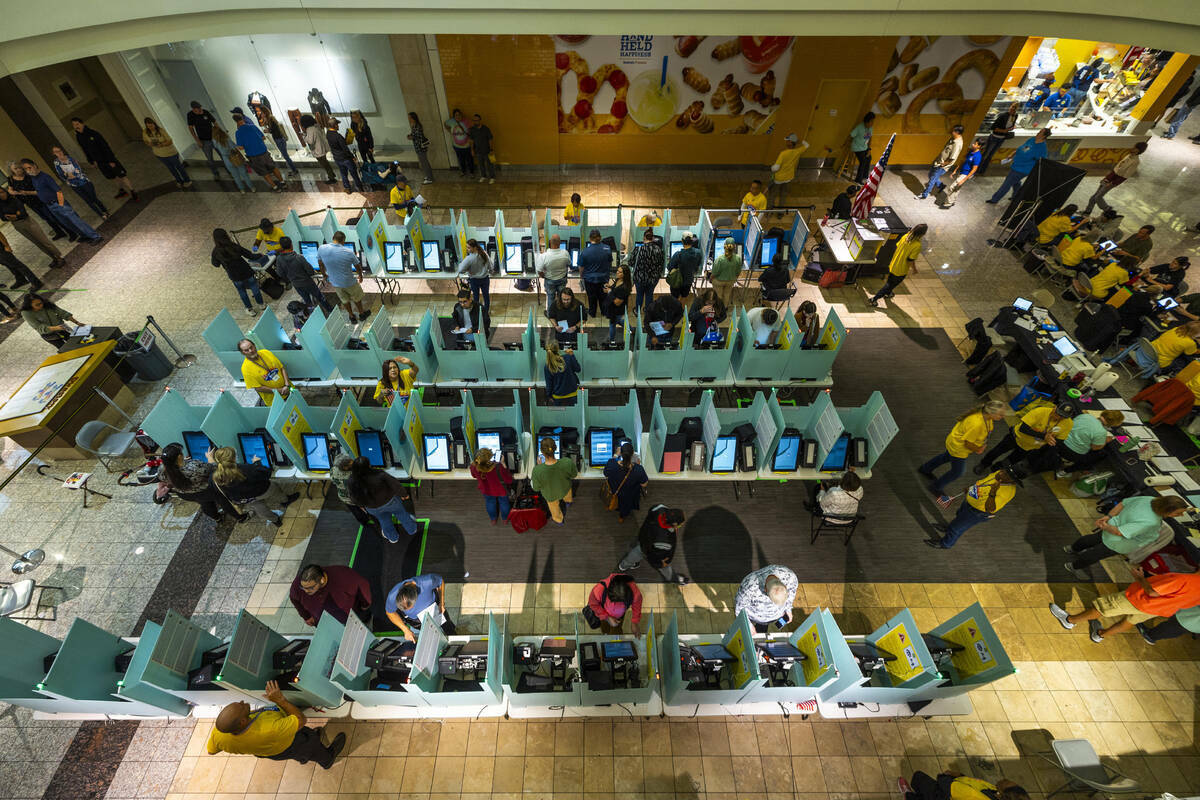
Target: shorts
x,y
115,170
1118,605
350,294
262,163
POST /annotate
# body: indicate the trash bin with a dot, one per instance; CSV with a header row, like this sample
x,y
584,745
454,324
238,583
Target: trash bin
x,y
141,352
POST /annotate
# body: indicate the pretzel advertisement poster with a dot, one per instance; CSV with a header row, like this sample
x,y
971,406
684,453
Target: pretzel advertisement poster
x,y
730,85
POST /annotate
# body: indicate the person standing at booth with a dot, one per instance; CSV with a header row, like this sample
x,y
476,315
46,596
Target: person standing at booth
x,y
191,479
768,596
492,479
1130,525
263,372
726,270
616,301
753,200
969,435
246,484
627,481
469,318
295,269
568,316
595,265
339,265
339,476
646,264
478,269
904,261
412,597
276,733
552,266
396,383
553,477
611,600
687,262
562,376
661,318
573,212
383,498
334,590
656,542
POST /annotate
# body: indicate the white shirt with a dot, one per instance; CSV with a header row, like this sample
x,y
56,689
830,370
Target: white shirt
x,y
762,331
553,264
1127,167
837,500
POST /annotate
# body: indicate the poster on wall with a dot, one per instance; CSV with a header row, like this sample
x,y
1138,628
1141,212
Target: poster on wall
x,y
670,84
933,82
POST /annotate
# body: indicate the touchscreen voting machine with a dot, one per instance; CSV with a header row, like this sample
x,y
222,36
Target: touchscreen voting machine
x,y
437,452
370,446
316,452
255,445
600,447
197,444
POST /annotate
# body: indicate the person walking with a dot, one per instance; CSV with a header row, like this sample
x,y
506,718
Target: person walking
x,y
1002,130
1023,161
562,375
656,542
646,263
234,161
493,480
1182,113
277,733
1181,623
295,269
339,476
457,126
478,269
1132,524
688,262
51,196
552,267
968,170
982,501
725,272
942,164
191,479
160,143
610,601
317,144
595,265
859,140
783,171
246,484
47,319
969,435
335,590
12,210
231,256
21,186
481,149
278,134
768,596
1125,169
616,301
363,136
339,265
97,153
69,170
1148,597
553,477
383,497
343,157
23,274
420,142
626,481
904,261
201,124
253,143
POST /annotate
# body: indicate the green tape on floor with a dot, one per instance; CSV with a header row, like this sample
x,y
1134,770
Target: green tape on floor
x,y
354,552
424,536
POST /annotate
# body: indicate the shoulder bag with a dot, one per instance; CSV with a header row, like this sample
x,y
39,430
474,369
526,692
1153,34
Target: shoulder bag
x,y
589,615
608,496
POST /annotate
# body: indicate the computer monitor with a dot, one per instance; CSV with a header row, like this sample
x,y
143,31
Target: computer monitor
x,y
488,439
600,446
787,454
309,251
836,460
351,246
513,262
621,649
724,458
1065,346
574,258
316,452
255,444
1167,303
370,446
676,247
431,256
781,650
197,444
713,652
767,253
1021,304
393,256
437,452
556,438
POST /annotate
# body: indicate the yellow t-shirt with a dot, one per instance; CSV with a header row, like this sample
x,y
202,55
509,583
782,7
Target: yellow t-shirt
x,y
787,164
1108,279
270,733
907,251
573,213
1173,344
1077,251
649,221
968,435
265,372
755,201
1193,383
397,198
270,239
1039,419
985,488
406,383
1052,226
964,788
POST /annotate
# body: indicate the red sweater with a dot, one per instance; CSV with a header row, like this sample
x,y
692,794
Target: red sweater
x,y
344,590
492,482
606,609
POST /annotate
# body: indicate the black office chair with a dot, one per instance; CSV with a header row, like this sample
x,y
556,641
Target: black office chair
x,y
777,298
822,524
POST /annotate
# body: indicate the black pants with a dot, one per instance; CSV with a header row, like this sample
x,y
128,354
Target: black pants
x,y
925,788
682,291
889,286
1168,629
989,149
360,515
307,746
212,502
1005,445
1075,461
1089,550
7,304
19,271
595,296
466,162
864,165
313,296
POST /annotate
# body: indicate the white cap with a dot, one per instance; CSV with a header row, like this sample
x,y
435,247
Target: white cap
x,y
791,137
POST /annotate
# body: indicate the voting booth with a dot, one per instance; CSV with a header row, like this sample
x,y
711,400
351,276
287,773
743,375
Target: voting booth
x,y
312,361
374,672
603,429
516,246
967,652
257,654
805,436
171,417
440,441
459,676
436,248
387,340
301,432
657,361
801,666
386,249
542,674
174,665
352,357
512,362
795,356
872,422
370,432
223,335
708,443
701,673
599,361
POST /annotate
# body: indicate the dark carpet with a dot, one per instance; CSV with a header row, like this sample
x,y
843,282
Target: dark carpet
x,y
725,537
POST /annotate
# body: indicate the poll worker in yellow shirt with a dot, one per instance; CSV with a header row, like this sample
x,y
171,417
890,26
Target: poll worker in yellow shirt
x,y
755,199
263,372
399,197
275,733
650,219
784,168
982,501
969,435
1079,248
1038,428
1052,228
904,261
396,383
573,213
956,786
1108,280
1177,342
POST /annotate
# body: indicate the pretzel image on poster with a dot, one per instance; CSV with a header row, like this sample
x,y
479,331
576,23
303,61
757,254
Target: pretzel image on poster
x,y
686,45
983,61
939,92
583,114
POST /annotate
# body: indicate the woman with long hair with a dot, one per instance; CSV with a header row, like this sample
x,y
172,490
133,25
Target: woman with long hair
x,y
47,319
553,478
421,144
246,484
396,383
69,170
231,256
317,144
383,498
278,134
969,435
160,143
627,480
363,136
562,375
611,599
232,158
492,479
705,317
616,300
192,480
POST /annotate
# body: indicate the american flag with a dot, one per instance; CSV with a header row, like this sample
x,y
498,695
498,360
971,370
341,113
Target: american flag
x,y
866,195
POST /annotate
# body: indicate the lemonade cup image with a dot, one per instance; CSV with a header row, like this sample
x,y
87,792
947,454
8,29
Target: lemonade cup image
x,y
651,104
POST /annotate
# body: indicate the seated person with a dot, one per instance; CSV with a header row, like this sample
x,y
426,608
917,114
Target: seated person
x,y
1079,248
808,321
1052,228
839,499
396,383
705,318
1140,305
1166,276
266,238
568,315
766,324
1178,341
1084,445
1189,307
470,317
958,786
1132,524
1135,247
843,203
1108,280
776,279
667,312
410,597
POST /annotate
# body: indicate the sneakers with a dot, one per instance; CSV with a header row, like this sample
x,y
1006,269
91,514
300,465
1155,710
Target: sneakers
x,y
1094,631
353,319
872,302
1061,473
1068,549
920,196
291,498
1078,573
1144,631
392,538
277,521
903,786
491,180
251,312
481,180
1061,616
682,580
991,202
427,181
936,544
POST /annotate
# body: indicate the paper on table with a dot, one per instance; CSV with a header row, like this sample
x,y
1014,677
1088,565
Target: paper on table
x,y
1184,481
1115,404
1168,464
1023,323
419,199
1143,433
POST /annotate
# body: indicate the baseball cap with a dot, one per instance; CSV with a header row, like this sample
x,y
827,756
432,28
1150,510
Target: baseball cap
x,y
791,137
237,110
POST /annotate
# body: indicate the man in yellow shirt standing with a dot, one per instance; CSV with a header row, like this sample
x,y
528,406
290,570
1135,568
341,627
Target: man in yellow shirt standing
x,y
263,372
275,733
573,213
784,168
755,199
982,501
904,260
969,435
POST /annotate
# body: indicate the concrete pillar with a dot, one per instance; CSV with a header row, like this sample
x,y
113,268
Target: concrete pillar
x,y
420,77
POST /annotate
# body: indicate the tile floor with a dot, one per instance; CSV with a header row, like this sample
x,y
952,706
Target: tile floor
x,y
1137,704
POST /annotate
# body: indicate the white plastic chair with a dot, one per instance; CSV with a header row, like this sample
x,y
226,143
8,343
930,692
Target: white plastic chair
x,y
1079,762
101,439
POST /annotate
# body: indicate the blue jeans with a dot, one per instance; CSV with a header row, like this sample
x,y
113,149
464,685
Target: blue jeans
x,y
613,324
935,177
968,516
313,296
1012,182
252,285
481,288
383,515
283,153
1180,116
349,170
644,297
497,507
552,290
175,166
67,217
955,472
208,148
